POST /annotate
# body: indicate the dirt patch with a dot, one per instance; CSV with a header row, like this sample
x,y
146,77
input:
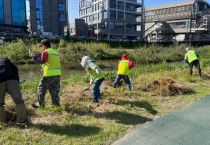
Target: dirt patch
x,y
168,87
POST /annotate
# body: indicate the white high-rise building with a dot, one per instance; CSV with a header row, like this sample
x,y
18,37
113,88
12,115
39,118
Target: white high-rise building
x,y
112,19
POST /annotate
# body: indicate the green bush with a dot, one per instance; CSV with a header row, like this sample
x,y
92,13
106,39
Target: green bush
x,y
72,52
16,51
62,43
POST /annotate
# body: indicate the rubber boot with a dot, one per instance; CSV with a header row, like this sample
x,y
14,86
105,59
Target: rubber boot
x,y
2,115
21,112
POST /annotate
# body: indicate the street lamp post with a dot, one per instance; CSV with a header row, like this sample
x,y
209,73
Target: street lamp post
x,y
108,14
142,20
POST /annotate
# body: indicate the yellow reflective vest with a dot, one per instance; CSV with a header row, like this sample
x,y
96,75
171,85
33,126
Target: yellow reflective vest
x,y
52,67
191,56
123,67
92,72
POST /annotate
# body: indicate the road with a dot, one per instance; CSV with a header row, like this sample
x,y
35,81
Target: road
x,y
189,126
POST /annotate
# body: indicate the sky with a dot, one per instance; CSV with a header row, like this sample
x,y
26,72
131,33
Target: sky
x,y
73,6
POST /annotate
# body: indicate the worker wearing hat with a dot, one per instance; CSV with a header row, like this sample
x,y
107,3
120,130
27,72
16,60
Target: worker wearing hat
x,y
51,69
96,76
191,57
123,71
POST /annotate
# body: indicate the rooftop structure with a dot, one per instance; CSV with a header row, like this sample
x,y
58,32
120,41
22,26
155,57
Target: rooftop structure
x,y
181,22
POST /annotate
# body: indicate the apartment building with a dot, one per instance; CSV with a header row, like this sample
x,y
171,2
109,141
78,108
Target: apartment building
x,y
112,19
48,16
79,28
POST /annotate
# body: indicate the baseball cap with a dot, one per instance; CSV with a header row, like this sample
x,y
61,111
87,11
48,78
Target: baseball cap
x,y
44,42
124,56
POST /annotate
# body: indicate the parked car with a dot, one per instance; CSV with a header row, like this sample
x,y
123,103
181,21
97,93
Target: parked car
x,y
135,40
49,35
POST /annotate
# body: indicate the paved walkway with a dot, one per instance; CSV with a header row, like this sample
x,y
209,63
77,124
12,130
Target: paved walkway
x,y
189,126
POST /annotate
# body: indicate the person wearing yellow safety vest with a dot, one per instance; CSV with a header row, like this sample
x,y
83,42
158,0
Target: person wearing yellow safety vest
x,y
51,69
96,76
123,71
191,57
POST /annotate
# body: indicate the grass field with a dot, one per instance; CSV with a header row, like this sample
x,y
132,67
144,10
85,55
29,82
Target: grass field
x,y
81,122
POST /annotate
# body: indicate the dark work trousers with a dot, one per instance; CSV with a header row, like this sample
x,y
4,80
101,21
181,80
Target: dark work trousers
x,y
197,65
53,84
125,78
96,89
13,88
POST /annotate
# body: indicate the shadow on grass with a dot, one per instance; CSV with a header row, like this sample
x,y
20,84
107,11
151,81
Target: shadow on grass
x,y
141,104
205,76
69,130
123,117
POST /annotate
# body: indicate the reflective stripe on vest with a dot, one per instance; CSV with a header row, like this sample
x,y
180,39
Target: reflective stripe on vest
x,y
52,66
191,56
123,67
92,73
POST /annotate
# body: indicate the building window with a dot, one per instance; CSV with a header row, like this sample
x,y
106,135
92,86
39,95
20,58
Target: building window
x,y
118,25
95,17
61,7
1,12
130,7
120,5
89,10
18,12
120,15
113,4
178,25
103,25
111,25
100,16
39,16
90,18
100,6
131,27
112,14
62,17
130,16
105,14
99,26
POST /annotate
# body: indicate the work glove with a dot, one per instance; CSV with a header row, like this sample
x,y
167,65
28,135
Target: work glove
x,y
91,81
97,71
31,52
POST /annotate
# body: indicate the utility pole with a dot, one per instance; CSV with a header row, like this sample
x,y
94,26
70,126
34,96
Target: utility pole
x,y
109,25
142,20
68,26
